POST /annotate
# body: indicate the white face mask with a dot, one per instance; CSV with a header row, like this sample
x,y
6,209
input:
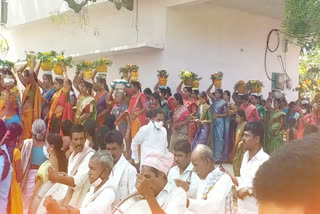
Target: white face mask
x,y
45,152
158,125
303,111
97,182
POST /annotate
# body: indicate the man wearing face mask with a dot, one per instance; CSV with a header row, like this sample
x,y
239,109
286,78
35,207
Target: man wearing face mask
x,y
102,194
150,137
77,178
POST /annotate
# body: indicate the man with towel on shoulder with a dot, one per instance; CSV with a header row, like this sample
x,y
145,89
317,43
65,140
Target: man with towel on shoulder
x,y
152,184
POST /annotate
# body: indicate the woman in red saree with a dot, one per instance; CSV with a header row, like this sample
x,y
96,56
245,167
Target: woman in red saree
x,y
306,118
137,108
192,106
31,100
60,108
179,122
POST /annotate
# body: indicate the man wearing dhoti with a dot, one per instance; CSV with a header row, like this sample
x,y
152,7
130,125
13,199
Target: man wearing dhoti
x,y
161,196
102,195
77,178
123,173
214,194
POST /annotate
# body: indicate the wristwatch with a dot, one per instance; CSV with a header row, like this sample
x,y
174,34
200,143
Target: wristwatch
x,y
250,191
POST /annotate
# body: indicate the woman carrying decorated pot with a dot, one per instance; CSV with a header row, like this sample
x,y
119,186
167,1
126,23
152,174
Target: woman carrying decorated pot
x,y
10,102
101,89
60,108
188,102
47,81
86,107
31,98
203,119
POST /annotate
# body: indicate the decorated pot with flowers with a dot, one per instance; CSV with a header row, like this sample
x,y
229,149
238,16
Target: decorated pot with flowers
x,y
186,77
87,69
46,59
254,86
162,77
101,65
134,73
30,55
217,79
195,81
240,87
5,64
59,61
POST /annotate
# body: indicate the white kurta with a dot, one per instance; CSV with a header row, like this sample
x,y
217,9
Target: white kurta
x,y
81,179
172,199
189,176
150,139
124,177
216,199
247,173
99,202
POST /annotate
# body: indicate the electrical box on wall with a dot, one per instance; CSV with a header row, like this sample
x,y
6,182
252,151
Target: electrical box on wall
x,y
278,81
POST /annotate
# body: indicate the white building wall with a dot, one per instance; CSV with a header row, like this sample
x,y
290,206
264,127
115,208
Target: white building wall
x,y
201,38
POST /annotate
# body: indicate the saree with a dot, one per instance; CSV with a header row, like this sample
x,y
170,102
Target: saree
x,y
133,108
83,107
181,114
33,112
120,111
220,132
14,103
101,105
238,150
275,141
60,98
47,94
192,106
203,131
15,205
308,119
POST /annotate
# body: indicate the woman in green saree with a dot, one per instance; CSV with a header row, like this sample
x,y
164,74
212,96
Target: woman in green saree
x,y
238,148
276,127
86,106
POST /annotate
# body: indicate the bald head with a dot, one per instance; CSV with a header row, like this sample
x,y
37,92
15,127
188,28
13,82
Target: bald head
x,y
202,160
203,152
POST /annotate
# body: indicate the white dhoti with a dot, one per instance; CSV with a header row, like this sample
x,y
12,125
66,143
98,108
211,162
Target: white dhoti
x,y
28,190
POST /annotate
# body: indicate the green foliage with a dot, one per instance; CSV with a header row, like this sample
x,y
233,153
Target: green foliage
x,y
302,20
309,70
5,64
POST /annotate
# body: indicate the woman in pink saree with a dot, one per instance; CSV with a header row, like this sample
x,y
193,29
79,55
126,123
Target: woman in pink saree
x,y
179,123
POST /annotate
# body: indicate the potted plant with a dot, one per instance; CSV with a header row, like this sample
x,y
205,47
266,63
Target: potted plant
x,y
217,79
87,69
101,65
46,59
195,81
5,64
186,77
240,87
162,77
58,61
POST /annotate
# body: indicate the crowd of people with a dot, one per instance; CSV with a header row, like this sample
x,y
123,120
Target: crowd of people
x,y
106,144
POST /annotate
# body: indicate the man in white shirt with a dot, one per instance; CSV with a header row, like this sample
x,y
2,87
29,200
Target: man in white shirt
x,y
288,183
102,195
151,137
214,191
123,173
161,196
182,174
252,160
77,178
